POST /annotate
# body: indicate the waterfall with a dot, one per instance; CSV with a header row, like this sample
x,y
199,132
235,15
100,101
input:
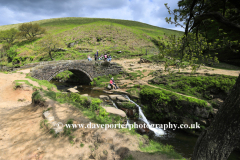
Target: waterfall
x,y
114,105
128,123
126,115
157,131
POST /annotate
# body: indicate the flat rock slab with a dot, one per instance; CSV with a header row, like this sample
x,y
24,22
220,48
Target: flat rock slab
x,y
107,92
114,97
84,95
115,111
97,88
104,97
73,90
122,99
119,98
120,91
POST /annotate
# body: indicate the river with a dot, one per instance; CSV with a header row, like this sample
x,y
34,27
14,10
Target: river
x,y
182,142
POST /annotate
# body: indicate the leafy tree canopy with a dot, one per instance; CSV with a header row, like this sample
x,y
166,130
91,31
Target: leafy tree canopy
x,y
29,30
8,35
50,44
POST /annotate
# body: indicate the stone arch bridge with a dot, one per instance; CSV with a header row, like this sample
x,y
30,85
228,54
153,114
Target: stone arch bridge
x,y
81,68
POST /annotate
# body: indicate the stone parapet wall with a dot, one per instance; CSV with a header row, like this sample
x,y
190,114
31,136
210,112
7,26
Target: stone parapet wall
x,y
48,70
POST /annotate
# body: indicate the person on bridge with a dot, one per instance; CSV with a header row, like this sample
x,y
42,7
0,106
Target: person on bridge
x,y
105,56
89,58
109,58
96,56
101,57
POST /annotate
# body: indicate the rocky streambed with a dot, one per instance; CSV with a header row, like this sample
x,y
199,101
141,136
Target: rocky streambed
x,y
182,141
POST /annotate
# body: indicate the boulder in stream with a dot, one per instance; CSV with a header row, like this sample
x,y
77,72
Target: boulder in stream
x,y
114,97
129,108
72,90
104,97
109,87
115,111
122,99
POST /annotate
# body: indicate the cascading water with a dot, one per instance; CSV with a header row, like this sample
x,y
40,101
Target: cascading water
x,y
128,123
157,131
127,117
114,105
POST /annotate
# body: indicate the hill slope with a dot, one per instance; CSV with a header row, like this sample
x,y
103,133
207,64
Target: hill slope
x,y
83,36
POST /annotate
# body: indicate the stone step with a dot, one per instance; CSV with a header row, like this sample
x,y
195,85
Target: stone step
x,y
115,111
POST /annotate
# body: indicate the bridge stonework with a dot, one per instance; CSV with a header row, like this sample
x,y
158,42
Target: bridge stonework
x,y
48,70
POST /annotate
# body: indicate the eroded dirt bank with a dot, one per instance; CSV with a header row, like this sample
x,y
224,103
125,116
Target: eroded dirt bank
x,y
22,138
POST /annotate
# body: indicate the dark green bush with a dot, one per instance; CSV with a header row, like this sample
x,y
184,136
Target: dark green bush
x,y
37,98
95,104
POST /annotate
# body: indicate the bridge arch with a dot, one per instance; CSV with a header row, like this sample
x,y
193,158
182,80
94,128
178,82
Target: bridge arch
x,y
86,70
72,70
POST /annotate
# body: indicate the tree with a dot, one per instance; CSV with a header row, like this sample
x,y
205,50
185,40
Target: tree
x,y
30,31
223,136
8,35
49,44
211,17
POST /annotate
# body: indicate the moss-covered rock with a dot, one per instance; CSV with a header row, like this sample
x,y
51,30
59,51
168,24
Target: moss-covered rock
x,y
127,105
161,106
204,87
129,108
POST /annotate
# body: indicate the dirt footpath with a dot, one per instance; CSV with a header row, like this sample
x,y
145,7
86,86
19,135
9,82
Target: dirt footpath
x,y
8,96
134,65
23,138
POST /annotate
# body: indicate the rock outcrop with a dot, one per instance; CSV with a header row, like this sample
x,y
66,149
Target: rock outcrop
x,y
115,111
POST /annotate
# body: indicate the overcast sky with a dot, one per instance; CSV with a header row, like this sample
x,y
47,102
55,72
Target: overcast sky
x,y
147,11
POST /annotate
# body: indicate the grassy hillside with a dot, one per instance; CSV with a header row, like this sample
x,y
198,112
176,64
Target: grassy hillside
x,y
105,35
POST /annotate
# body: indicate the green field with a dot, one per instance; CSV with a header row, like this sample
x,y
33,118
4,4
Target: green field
x,y
106,35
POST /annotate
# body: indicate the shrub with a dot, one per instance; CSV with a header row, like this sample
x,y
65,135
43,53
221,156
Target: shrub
x,y
37,98
134,91
95,104
85,102
51,95
65,75
12,52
